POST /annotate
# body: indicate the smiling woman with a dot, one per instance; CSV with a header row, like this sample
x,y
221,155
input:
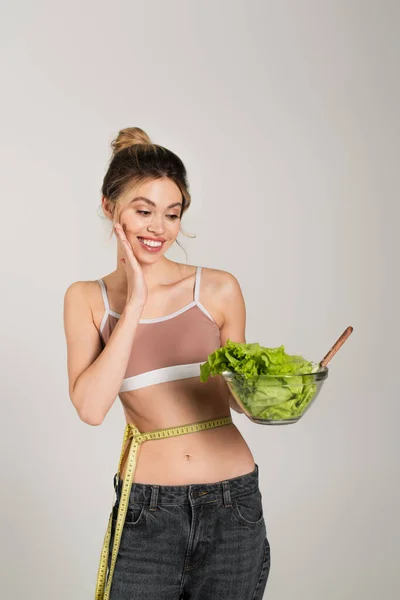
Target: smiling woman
x,y
141,333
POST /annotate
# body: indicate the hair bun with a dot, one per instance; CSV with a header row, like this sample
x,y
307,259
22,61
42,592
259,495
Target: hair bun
x,y
129,137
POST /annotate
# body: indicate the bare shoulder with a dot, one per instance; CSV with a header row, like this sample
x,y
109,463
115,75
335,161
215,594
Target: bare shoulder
x,y
222,292
84,297
80,291
212,280
220,281
76,292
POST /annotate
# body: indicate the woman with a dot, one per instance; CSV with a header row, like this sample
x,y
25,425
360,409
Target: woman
x,y
188,520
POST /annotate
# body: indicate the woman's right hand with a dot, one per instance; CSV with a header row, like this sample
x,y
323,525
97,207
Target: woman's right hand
x,y
137,288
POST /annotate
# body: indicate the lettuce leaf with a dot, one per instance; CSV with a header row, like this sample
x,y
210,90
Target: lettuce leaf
x,y
272,397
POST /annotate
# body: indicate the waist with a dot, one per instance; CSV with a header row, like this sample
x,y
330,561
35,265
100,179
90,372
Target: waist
x,y
202,456
194,493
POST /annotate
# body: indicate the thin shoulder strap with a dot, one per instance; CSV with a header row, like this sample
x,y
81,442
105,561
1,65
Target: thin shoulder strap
x,y
104,293
197,285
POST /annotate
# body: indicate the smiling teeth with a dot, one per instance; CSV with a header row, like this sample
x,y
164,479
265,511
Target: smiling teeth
x,y
150,242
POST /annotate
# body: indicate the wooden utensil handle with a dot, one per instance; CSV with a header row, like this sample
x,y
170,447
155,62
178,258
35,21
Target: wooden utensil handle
x,y
328,357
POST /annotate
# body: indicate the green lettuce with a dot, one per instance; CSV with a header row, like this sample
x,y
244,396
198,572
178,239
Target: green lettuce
x,y
259,378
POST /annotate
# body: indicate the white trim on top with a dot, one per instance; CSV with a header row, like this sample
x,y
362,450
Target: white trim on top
x,y
160,376
174,314
114,314
104,294
103,321
205,311
197,285
194,302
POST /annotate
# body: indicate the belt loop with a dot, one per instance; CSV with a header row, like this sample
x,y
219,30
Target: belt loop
x,y
226,494
154,497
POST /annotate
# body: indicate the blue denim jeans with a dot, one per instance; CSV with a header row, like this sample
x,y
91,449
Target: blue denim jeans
x,y
203,541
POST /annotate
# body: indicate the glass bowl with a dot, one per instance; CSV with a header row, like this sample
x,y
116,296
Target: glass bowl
x,y
276,399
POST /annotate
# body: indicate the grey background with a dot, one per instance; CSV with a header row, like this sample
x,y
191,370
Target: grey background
x,y
286,116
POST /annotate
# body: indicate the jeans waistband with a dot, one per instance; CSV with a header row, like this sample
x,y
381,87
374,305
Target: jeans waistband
x,y
194,493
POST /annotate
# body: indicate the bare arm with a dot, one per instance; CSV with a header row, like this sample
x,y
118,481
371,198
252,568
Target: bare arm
x,y
234,326
95,374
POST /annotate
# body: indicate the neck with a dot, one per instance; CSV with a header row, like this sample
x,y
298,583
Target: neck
x,y
155,274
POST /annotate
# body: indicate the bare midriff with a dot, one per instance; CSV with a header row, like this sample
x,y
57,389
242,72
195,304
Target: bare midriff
x,y
204,456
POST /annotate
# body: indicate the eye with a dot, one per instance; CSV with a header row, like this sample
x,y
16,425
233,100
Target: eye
x,y
146,212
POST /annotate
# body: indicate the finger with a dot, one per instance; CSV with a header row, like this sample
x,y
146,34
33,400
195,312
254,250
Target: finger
x,y
118,231
118,228
122,235
125,244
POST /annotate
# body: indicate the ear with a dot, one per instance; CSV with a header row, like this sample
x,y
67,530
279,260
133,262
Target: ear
x,y
108,207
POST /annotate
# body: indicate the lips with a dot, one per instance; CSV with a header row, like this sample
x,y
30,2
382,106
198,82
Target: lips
x,y
150,248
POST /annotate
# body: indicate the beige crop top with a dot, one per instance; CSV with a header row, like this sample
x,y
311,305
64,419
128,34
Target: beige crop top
x,y
167,348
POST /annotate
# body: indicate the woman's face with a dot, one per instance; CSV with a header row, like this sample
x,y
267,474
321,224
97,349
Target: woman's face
x,y
150,216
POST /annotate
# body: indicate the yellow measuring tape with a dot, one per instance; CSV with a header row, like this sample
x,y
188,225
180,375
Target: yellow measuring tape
x,y
104,580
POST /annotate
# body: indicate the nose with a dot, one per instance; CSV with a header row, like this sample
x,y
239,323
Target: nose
x,y
156,226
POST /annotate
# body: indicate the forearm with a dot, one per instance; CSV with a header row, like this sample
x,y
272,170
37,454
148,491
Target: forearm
x,y
98,386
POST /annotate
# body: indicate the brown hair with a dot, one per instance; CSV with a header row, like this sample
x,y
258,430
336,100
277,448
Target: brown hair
x,y
136,160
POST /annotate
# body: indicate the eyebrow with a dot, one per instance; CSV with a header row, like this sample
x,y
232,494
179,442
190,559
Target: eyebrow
x,y
152,203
